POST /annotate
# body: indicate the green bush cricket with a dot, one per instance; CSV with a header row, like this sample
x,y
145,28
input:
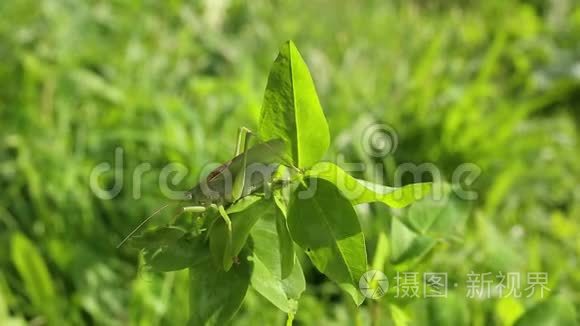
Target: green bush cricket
x,y
249,170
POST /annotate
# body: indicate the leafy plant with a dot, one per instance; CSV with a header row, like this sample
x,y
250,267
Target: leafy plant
x,y
311,205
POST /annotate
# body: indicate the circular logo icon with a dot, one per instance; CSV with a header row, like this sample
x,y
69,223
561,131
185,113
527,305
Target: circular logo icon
x,y
379,140
373,284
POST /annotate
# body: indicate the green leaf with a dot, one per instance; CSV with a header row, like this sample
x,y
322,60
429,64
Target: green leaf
x,y
183,253
267,277
35,275
441,218
3,308
160,236
400,318
291,109
242,204
406,244
360,191
424,222
555,311
243,219
326,226
381,252
6,299
286,245
508,310
283,293
452,311
216,295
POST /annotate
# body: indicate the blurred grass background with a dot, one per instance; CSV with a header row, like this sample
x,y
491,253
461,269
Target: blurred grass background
x,y
495,83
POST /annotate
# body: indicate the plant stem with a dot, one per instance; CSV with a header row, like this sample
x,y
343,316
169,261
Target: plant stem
x,y
290,319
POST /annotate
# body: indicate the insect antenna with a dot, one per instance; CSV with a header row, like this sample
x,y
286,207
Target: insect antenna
x,y
141,224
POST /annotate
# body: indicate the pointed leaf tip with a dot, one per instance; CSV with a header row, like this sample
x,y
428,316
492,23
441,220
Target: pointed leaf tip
x,y
291,109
